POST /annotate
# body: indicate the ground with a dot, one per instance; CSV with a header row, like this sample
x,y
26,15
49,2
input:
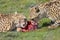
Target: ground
x,y
10,6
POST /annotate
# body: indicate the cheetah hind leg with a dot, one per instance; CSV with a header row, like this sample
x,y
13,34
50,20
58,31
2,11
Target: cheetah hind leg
x,y
55,25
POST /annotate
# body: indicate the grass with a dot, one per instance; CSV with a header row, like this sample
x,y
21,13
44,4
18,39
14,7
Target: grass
x,y
22,6
40,34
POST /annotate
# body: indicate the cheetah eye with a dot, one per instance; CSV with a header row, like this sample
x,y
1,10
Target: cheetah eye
x,y
25,20
37,9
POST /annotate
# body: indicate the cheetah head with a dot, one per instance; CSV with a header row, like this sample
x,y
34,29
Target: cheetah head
x,y
19,20
36,11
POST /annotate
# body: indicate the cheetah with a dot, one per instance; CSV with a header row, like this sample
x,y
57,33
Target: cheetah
x,y
49,10
8,22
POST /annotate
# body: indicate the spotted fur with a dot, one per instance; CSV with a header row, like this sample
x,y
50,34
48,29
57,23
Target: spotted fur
x,y
9,22
49,10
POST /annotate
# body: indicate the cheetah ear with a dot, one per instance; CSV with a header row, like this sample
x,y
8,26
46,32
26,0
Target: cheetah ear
x,y
15,12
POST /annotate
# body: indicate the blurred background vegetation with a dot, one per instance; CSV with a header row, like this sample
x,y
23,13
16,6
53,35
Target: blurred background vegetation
x,y
21,6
